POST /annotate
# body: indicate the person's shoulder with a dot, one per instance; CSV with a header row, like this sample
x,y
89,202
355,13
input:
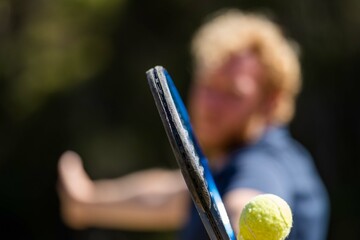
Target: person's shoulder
x,y
287,152
273,137
279,140
275,145
276,136
260,166
254,155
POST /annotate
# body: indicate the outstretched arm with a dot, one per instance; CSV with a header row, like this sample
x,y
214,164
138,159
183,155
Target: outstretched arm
x,y
235,201
148,200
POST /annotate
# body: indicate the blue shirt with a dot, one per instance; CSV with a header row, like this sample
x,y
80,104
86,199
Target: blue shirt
x,y
279,165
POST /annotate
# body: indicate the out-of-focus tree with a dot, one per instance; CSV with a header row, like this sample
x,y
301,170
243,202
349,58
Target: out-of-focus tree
x,y
50,46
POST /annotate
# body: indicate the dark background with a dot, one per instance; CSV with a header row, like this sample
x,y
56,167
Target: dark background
x,y
72,76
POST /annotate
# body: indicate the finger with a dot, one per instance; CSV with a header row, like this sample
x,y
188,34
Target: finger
x,y
69,160
73,178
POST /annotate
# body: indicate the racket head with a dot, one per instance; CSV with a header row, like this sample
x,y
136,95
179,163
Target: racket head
x,y
191,160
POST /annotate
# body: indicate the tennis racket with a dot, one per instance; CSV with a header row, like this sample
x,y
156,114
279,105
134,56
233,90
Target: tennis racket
x,y
192,162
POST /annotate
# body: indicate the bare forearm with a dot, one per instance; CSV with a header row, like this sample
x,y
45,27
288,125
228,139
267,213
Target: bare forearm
x,y
147,182
143,213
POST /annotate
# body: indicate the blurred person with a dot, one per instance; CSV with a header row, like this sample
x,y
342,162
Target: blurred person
x,y
246,79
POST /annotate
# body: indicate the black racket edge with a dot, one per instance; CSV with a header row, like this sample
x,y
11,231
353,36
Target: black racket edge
x,y
196,184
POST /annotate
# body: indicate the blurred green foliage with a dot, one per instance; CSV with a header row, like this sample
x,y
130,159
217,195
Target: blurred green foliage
x,y
72,76
54,46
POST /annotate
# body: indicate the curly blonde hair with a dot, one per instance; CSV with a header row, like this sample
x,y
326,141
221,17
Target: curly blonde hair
x,y
230,32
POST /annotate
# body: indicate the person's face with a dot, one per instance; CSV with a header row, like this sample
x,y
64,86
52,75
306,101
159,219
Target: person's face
x,y
225,100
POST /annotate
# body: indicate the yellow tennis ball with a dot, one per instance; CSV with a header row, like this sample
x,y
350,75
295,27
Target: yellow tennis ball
x,y
265,217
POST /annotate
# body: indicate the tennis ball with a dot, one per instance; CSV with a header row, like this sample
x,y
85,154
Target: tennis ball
x,y
265,217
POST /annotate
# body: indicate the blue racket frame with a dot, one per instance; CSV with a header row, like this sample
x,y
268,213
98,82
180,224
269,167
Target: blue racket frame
x,y
191,160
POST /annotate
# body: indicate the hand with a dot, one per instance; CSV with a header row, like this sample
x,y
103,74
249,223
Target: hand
x,y
75,188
